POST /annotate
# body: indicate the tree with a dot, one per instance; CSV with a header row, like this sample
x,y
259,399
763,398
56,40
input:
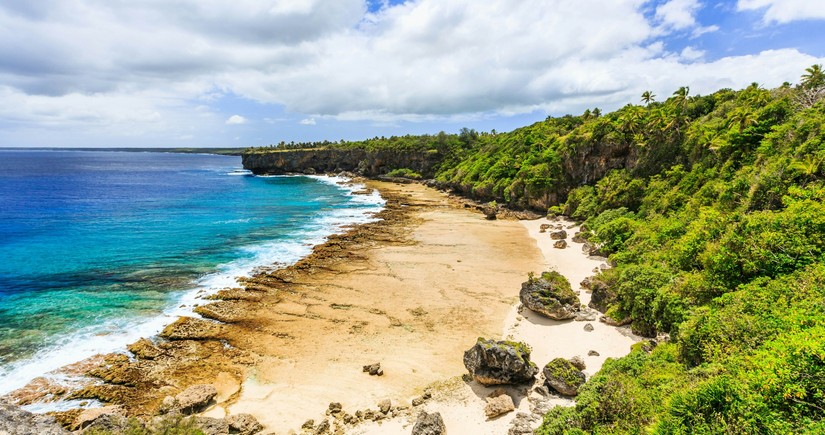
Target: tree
x,y
648,97
814,77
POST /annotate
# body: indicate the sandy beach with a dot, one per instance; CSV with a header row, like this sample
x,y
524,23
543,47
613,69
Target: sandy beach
x,y
412,292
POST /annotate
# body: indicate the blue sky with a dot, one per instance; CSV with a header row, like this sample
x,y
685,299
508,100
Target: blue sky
x,y
255,72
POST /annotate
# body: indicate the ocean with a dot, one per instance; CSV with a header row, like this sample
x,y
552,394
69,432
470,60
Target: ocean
x,y
98,249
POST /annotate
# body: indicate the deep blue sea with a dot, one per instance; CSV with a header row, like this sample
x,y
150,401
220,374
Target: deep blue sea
x,y
100,248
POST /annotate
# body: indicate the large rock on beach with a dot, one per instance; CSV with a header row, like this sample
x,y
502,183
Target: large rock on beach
x,y
243,424
602,296
550,295
493,362
429,424
499,405
558,235
195,398
15,421
562,376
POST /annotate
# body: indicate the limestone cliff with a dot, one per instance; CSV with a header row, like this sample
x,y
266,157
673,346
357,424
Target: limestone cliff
x,y
360,161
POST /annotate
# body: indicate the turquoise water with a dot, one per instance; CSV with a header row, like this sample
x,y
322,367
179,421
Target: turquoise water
x,y
100,248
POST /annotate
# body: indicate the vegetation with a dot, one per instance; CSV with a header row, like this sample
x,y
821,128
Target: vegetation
x,y
712,209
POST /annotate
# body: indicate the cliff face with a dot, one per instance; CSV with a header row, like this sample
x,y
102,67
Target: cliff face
x,y
359,161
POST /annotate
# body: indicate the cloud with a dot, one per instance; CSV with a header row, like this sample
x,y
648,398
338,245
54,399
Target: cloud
x,y
146,67
236,120
785,11
678,14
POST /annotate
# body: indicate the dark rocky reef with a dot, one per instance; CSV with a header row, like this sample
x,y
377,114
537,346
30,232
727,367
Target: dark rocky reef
x,y
359,161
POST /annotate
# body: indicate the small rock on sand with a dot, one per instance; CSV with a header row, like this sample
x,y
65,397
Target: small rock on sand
x,y
429,424
499,405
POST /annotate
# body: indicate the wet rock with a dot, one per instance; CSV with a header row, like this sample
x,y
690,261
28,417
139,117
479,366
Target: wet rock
x,y
558,235
560,244
15,421
195,398
145,349
499,405
562,376
243,424
429,424
493,362
550,295
190,328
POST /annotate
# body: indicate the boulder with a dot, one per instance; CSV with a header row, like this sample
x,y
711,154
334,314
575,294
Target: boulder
x,y
243,424
560,244
499,405
429,424
543,228
578,362
210,425
15,421
579,238
89,416
562,376
551,296
602,296
592,353
588,327
493,362
384,406
195,398
558,235
374,369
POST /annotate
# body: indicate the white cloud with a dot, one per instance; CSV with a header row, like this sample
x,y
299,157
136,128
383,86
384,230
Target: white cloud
x,y
146,67
678,14
785,11
691,54
236,120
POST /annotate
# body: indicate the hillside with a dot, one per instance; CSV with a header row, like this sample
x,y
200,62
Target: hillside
x,y
711,208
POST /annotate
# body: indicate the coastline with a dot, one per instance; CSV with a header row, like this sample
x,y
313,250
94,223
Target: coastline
x,y
412,291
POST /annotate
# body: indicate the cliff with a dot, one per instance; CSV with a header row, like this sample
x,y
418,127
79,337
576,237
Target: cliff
x,y
369,163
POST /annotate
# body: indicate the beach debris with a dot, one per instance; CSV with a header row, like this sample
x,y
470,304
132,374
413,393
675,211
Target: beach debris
x,y
492,362
374,369
309,424
498,403
243,424
144,349
588,327
195,398
558,235
14,420
578,362
562,376
560,244
421,399
334,408
593,353
550,295
429,424
543,228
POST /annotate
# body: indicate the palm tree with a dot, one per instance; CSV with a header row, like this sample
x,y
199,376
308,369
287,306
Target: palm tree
x,y
648,97
814,77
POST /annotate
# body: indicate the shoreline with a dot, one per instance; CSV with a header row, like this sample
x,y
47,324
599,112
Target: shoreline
x,y
412,291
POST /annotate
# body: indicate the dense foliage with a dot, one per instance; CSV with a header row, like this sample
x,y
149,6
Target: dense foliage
x,y
711,208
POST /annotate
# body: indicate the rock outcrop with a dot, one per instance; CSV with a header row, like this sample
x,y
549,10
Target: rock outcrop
x,y
369,163
550,295
493,362
195,398
15,421
429,424
243,424
562,376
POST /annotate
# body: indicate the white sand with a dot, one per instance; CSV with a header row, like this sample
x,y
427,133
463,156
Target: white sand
x,y
462,405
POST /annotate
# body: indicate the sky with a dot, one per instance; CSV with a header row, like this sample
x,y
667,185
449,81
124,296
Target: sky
x,y
214,73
